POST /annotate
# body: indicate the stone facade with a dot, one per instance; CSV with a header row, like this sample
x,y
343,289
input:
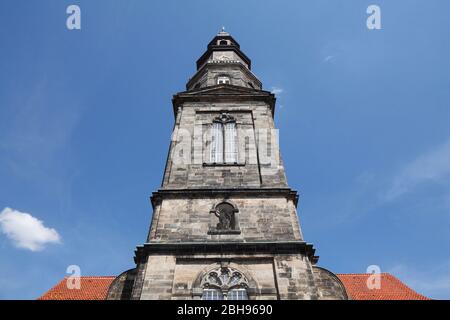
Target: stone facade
x,y
189,218
229,228
237,71
256,166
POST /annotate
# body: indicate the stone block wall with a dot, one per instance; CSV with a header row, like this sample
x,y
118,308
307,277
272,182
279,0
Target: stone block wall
x,y
259,161
329,285
237,72
270,277
295,277
260,218
158,278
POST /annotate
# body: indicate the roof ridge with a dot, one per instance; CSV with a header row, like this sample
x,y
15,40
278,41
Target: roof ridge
x,y
94,277
96,288
405,285
362,274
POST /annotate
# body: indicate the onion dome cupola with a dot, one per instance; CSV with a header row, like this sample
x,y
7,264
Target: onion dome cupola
x,y
223,63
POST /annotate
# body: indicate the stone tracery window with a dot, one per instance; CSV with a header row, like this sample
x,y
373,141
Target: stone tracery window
x,y
224,140
224,283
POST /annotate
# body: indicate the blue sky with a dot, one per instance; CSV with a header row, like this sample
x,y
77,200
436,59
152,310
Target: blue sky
x,y
86,118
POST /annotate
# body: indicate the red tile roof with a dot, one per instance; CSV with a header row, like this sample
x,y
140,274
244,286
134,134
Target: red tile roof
x,y
391,288
92,288
96,288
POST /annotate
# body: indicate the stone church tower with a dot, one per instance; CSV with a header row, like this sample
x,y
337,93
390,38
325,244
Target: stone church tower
x,y
225,222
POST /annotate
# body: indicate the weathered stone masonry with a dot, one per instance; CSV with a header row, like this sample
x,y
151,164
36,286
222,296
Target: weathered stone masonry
x,y
226,229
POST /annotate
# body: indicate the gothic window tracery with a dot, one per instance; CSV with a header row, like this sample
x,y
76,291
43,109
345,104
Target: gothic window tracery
x,y
224,283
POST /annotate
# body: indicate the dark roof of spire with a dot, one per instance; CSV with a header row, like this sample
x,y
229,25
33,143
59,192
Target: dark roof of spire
x,y
214,46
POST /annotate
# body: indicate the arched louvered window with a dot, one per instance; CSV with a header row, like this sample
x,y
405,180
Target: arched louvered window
x,y
224,140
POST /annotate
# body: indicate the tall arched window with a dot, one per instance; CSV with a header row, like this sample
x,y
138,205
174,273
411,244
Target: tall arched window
x,y
224,284
224,140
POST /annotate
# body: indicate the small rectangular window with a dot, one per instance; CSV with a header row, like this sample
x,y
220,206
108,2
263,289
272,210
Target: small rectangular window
x,y
223,80
237,294
212,294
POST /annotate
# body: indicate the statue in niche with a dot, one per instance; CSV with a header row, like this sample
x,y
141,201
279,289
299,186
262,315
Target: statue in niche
x,y
225,213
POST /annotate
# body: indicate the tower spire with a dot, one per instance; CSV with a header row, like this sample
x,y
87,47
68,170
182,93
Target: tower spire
x,y
223,62
224,223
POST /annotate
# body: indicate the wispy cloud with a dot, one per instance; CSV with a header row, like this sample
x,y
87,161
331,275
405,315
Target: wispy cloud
x,y
26,231
373,190
328,58
433,166
37,131
433,282
276,90
36,136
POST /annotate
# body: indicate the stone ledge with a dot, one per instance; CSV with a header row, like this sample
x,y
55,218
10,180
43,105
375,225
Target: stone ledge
x,y
215,231
224,164
207,192
215,94
236,248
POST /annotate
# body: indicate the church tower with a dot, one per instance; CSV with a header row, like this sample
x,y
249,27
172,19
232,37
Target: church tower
x,y
225,223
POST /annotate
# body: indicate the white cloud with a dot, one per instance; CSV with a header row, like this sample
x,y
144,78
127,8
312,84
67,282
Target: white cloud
x,y
276,90
25,231
328,58
433,166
